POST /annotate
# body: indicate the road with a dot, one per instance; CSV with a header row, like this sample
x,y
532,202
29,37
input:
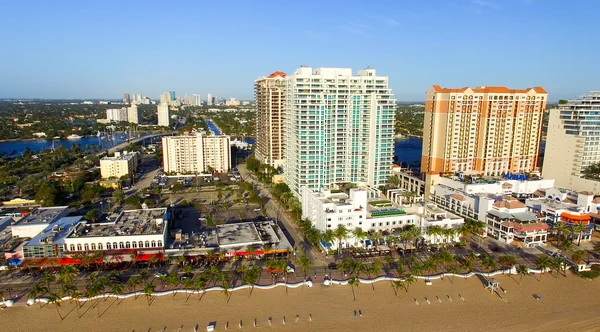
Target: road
x,y
289,227
133,141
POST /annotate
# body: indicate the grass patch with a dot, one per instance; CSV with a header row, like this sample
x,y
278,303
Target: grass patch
x,y
381,203
592,274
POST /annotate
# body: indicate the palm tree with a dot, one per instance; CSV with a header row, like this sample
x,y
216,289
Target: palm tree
x,y
199,283
375,237
226,290
359,234
133,283
181,260
250,250
560,228
578,256
579,229
149,292
449,234
328,237
54,298
47,278
66,275
214,272
557,264
406,236
522,270
353,282
117,289
305,263
434,231
429,266
397,284
408,280
341,232
543,263
144,274
36,291
489,264
507,260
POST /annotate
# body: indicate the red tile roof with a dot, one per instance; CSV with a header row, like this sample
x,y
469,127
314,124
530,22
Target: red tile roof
x,y
489,89
277,73
509,203
458,197
525,227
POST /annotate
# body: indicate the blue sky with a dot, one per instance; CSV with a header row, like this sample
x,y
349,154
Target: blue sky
x,y
101,49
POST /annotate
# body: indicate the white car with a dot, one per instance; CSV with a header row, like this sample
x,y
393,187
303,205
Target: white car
x,y
290,269
160,274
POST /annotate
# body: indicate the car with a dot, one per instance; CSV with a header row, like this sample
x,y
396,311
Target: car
x,y
332,266
160,274
187,276
290,269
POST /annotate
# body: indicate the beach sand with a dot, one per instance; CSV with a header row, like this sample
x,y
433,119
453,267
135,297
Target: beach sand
x,y
567,304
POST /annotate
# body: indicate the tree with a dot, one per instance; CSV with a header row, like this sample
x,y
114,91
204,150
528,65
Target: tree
x,y
46,194
341,232
92,215
359,234
305,264
408,280
578,256
507,260
543,263
560,228
48,278
522,270
397,284
118,196
394,181
67,274
117,289
353,282
133,283
579,229
36,291
328,237
149,292
252,164
55,299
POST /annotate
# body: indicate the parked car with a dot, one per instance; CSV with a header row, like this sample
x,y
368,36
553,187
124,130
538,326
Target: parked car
x,y
160,274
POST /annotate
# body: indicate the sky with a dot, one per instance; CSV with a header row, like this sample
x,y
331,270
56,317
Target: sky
x,y
102,49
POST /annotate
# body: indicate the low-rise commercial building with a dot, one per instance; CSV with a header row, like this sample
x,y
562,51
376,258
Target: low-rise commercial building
x,y
124,163
132,230
37,220
509,220
50,242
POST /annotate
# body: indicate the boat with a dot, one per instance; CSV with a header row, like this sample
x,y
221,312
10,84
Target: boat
x,y
99,134
74,136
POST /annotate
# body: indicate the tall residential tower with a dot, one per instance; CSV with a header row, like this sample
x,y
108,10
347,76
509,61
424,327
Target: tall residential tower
x,y
164,118
339,128
483,130
573,143
269,94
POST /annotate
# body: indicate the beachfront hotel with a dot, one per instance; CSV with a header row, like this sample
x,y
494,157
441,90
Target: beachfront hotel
x,y
573,142
269,96
195,153
122,163
339,128
366,209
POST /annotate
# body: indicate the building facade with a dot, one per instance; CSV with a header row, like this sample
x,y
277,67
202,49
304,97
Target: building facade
x,y
164,118
573,142
209,100
340,128
117,114
269,96
488,130
195,153
121,164
510,220
133,116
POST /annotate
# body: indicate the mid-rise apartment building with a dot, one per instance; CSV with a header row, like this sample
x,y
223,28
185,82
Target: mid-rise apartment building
x,y
195,153
573,142
133,116
121,164
117,114
269,95
339,128
487,130
163,115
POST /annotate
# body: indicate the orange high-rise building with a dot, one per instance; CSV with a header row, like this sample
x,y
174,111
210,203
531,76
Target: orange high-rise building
x,y
485,130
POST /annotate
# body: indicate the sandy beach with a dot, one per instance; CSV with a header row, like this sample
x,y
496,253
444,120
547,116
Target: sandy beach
x,y
567,304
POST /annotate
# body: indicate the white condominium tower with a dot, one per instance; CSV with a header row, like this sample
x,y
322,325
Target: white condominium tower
x,y
269,94
339,128
573,143
195,153
164,118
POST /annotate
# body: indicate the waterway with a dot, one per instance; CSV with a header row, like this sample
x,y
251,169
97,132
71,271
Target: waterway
x,y
17,147
213,127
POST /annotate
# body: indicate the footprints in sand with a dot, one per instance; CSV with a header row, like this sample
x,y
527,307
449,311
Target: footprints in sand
x,y
439,299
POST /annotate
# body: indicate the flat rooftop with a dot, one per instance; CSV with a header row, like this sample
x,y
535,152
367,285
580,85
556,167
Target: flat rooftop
x,y
129,222
7,242
244,233
122,156
42,216
56,232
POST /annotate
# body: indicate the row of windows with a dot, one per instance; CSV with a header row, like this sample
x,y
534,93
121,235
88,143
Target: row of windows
x,y
115,245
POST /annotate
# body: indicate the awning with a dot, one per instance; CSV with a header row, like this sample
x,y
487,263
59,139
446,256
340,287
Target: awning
x,y
578,217
14,262
146,257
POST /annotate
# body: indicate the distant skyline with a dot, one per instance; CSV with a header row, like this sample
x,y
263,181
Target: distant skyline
x,y
103,49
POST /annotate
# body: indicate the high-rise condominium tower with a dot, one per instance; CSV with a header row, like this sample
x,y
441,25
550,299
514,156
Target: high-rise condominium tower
x,y
164,118
339,128
172,95
269,94
165,98
196,100
209,100
127,98
488,130
573,143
